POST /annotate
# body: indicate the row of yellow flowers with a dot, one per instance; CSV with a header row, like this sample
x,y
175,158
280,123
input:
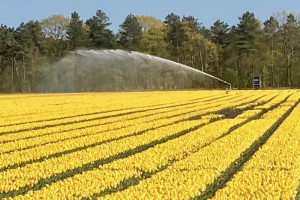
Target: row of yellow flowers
x,y
15,178
274,171
111,174
59,133
94,127
48,107
189,177
70,122
174,149
100,119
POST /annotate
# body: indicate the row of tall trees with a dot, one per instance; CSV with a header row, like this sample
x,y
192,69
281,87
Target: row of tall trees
x,y
268,49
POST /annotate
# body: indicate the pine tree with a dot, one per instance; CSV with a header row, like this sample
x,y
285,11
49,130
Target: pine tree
x,y
76,34
100,35
130,33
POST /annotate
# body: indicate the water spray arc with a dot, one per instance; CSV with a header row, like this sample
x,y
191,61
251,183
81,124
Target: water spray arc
x,y
119,70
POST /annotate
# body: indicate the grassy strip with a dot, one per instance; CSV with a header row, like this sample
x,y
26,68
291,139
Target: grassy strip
x,y
297,197
132,181
95,118
237,164
59,154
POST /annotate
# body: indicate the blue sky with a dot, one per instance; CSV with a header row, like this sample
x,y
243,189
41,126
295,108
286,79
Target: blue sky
x,y
13,12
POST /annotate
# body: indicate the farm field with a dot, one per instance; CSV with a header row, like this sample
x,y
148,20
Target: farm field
x,y
242,144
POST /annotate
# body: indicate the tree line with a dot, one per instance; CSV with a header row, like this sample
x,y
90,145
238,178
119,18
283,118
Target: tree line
x,y
269,49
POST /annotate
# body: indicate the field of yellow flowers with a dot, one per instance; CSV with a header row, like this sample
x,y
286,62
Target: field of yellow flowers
x,y
242,144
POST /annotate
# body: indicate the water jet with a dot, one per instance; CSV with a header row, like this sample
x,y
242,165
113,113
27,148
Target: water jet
x,y
119,70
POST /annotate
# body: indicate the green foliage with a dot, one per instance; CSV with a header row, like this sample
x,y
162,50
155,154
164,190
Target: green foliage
x,y
130,33
231,76
154,36
76,34
219,32
245,40
149,22
268,49
100,35
175,33
55,27
247,31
